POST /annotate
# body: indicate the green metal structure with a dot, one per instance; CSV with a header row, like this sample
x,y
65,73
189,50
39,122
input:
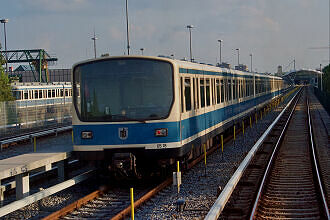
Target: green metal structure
x,y
38,58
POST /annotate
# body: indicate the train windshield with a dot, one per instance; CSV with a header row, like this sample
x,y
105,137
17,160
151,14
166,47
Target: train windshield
x,y
123,90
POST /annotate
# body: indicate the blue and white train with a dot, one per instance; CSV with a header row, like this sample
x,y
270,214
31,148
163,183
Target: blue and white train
x,y
31,94
137,111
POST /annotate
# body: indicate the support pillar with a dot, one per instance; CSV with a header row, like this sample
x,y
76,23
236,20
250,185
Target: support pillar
x,y
22,185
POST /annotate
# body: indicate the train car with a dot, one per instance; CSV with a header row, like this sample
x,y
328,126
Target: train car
x,y
143,112
33,94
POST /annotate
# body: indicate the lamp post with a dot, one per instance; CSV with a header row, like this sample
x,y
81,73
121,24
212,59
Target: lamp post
x,y
127,29
321,76
237,56
94,39
4,21
190,27
142,49
251,62
220,51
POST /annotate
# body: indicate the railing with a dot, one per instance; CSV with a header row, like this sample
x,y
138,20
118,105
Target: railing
x,y
16,119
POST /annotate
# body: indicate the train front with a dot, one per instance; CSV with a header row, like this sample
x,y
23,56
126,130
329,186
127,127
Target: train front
x,y
122,112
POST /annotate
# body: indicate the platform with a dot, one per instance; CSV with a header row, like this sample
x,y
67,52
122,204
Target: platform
x,y
20,166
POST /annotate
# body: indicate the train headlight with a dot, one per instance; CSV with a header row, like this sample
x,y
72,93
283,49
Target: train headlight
x,y
86,135
161,132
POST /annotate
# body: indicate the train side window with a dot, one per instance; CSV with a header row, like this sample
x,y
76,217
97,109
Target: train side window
x,y
197,93
40,94
229,90
26,94
222,91
214,93
194,93
53,93
66,92
217,85
181,86
208,95
49,93
35,94
202,92
61,93
234,89
187,94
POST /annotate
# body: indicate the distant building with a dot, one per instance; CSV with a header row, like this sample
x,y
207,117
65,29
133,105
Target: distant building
x,y
224,65
242,67
26,73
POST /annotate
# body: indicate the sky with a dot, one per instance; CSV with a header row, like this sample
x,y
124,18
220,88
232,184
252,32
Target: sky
x,y
274,31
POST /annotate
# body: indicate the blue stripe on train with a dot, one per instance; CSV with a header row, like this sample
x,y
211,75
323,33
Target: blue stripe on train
x,y
141,133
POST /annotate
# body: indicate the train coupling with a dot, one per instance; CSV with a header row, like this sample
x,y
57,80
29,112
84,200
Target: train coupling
x,y
124,164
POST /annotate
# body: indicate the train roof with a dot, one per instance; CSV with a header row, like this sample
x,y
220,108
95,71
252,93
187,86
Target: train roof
x,y
185,64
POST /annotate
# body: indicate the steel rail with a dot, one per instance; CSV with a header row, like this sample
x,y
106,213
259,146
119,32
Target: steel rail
x,y
221,201
33,134
326,209
271,160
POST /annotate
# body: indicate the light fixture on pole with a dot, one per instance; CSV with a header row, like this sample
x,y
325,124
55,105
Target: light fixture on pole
x,y
251,62
190,27
220,41
4,21
94,39
237,56
321,76
142,49
127,29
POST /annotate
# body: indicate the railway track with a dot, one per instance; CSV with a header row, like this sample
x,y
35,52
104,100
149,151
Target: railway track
x,y
115,202
7,141
282,180
293,188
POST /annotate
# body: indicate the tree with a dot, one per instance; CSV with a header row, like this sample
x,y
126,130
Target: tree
x,y
326,79
5,89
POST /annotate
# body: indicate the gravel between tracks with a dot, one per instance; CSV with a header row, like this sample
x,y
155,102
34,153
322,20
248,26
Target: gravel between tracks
x,y
199,191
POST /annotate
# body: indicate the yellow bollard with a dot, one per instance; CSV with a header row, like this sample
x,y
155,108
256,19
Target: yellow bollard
x,y
243,126
34,144
132,203
177,166
234,133
256,117
250,122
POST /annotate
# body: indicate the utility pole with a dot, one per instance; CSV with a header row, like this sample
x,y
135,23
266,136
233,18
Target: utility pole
x,y
220,41
94,39
190,27
321,76
4,21
237,57
127,29
251,62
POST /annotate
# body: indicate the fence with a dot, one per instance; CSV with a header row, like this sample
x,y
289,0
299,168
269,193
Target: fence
x,y
16,119
324,98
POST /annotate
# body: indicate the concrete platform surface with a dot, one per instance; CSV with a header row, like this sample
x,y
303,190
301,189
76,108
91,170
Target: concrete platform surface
x,y
26,162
